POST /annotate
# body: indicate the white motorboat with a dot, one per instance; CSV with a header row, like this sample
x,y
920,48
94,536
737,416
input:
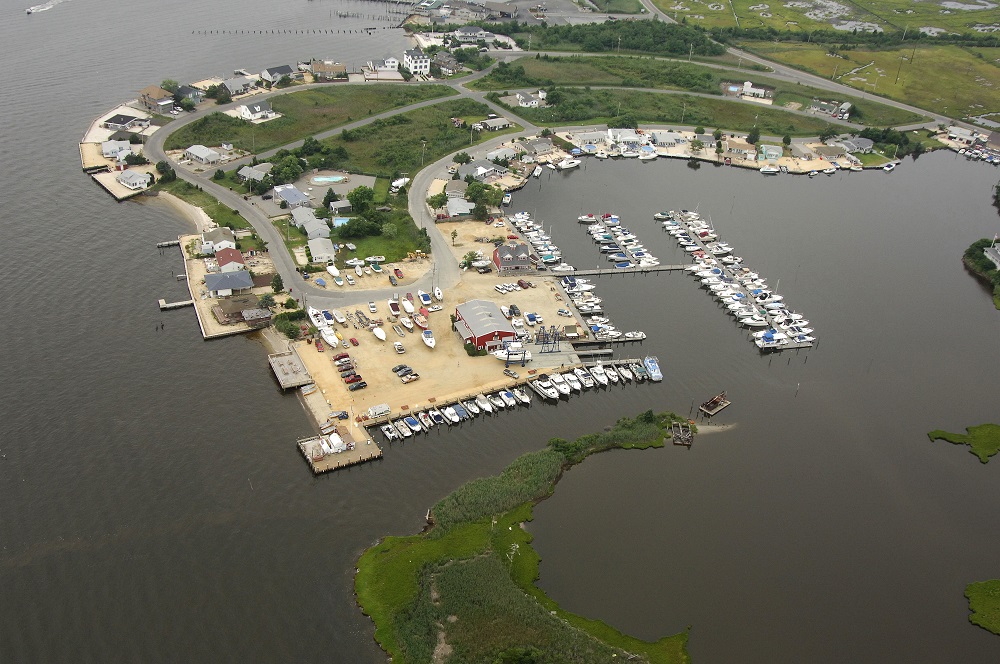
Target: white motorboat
x,y
407,322
508,398
389,432
560,384
358,270
890,167
546,391
769,170
402,428
407,306
484,403
521,396
329,336
612,375
354,262
425,298
567,164
513,352
451,414
413,423
573,382
428,338
584,377
647,155
771,332
597,371
375,259
379,333
630,154
425,420
438,294
316,316
470,406
601,154
496,401
537,172
338,316
624,372
334,272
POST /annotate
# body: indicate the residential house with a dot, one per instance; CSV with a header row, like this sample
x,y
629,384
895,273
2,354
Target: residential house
x,y
226,284
495,124
625,137
328,70
260,110
301,216
481,170
482,324
315,229
121,122
540,146
292,196
530,100
667,139
456,188
254,173
187,92
586,137
500,154
388,63
417,62
217,239
858,144
769,152
239,85
341,207
740,148
322,250
202,155
447,63
459,207
964,136
110,149
825,107
242,309
230,260
512,258
499,9
156,100
756,91
134,180
274,74
830,152
470,34
800,151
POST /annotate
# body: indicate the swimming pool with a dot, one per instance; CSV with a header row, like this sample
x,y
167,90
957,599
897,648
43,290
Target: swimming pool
x,y
328,179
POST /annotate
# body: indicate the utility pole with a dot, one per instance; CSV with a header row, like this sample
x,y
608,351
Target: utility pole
x,y
423,149
898,69
684,109
690,51
837,67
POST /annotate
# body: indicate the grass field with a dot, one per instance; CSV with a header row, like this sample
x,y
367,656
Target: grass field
x,y
984,603
619,6
948,79
887,14
672,75
404,142
306,113
220,214
983,440
477,565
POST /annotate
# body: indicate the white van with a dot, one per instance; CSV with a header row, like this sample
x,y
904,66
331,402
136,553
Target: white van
x,y
379,410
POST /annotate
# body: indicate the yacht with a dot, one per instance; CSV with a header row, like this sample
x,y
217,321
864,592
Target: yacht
x,y
567,164
544,389
484,403
513,352
428,338
769,170
573,382
599,375
652,365
560,384
436,416
584,377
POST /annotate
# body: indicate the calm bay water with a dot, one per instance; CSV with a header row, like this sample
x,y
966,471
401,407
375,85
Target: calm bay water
x,y
155,509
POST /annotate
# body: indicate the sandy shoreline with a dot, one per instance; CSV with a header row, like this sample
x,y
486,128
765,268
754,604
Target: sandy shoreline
x,y
192,213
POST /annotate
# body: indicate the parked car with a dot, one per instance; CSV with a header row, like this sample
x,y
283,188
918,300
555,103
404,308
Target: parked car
x,y
405,371
357,386
392,280
514,311
355,378
399,347
354,342
341,356
398,273
398,367
510,374
372,308
266,197
523,284
339,414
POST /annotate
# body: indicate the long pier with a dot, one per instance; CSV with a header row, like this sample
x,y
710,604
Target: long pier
x,y
628,270
165,306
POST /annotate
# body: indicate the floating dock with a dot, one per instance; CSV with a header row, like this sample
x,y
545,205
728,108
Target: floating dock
x,y
715,405
322,460
289,369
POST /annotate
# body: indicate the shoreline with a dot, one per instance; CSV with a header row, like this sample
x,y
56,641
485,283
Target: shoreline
x,y
193,214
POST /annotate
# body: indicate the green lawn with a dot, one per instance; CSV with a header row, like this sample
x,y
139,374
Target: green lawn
x,y
983,440
481,569
984,603
601,106
404,142
220,214
948,79
644,72
293,236
619,6
306,113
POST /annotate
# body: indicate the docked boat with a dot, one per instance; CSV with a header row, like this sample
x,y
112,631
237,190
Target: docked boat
x,y
567,164
630,154
769,170
463,414
508,398
425,298
573,382
522,396
829,171
601,154
428,338
471,406
402,428
537,172
484,403
450,414
505,201
425,420
715,404
597,371
560,384
544,388
389,432
436,415
379,333
584,377
635,335
638,371
612,375
890,167
856,168
496,401
438,294
413,423
624,372
652,366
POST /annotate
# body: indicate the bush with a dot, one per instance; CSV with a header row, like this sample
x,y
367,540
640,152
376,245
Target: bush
x,y
472,351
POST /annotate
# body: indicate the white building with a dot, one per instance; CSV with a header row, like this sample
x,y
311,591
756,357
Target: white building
x,y
217,239
322,250
417,62
202,155
389,63
110,149
260,110
134,180
470,34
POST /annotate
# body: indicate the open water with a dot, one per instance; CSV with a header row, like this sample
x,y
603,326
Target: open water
x,y
154,507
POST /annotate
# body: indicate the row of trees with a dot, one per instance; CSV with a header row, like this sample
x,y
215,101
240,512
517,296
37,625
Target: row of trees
x,y
633,36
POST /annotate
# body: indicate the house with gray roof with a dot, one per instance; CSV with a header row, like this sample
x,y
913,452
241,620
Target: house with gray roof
x,y
134,180
315,229
341,207
456,188
540,146
260,110
495,124
481,170
188,92
239,85
274,74
110,149
291,195
459,207
858,144
482,324
322,250
302,215
202,154
667,139
224,284
254,173
217,239
470,34
500,154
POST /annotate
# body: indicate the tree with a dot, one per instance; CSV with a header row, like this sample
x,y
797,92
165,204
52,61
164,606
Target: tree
x,y
283,82
546,132
170,85
786,140
186,104
697,145
219,174
223,96
753,135
438,200
361,198
480,212
462,158
454,236
389,230
469,258
829,133
330,197
277,285
699,130
266,301
135,159
717,134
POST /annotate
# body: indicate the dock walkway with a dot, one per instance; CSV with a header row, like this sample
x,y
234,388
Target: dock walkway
x,y
628,270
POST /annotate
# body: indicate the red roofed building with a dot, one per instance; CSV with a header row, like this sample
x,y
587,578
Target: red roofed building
x,y
512,258
482,324
230,260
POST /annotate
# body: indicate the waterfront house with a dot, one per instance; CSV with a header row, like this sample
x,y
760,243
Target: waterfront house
x,y
965,136
202,154
540,146
625,137
274,74
110,149
512,258
830,152
322,250
260,110
156,100
470,34
254,173
482,324
133,180
292,196
417,62
217,239
447,63
188,92
495,124
241,309
456,188
769,152
226,284
239,85
121,122
481,170
858,144
388,63
328,70
459,207
500,154
740,148
230,260
315,229
800,151
341,207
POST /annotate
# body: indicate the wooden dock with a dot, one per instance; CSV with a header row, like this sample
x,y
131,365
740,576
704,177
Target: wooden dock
x,y
165,306
168,243
289,369
628,270
715,405
321,461
682,434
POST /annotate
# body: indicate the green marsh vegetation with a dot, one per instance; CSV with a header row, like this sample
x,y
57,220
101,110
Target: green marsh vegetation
x,y
983,440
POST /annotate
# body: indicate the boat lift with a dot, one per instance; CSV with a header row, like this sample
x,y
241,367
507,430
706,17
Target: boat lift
x,y
548,339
